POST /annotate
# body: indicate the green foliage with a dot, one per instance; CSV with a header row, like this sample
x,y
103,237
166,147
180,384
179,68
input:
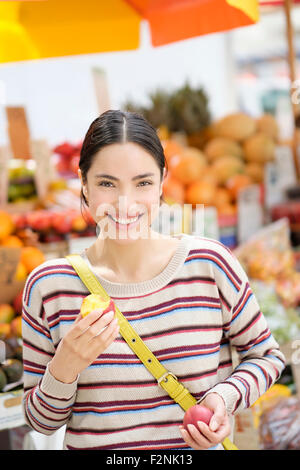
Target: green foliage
x,y
186,109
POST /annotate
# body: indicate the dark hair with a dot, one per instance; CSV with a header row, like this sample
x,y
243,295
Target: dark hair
x,y
116,126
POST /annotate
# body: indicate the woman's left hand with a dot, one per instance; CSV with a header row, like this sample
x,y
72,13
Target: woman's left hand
x,y
208,436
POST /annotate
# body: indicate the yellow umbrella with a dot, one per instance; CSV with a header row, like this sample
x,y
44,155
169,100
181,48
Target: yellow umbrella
x,y
55,28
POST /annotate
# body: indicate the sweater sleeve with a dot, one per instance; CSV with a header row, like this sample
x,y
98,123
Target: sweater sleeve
x,y
47,402
260,361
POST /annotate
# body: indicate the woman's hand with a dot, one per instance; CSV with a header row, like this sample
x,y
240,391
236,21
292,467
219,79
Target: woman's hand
x,y
87,338
219,427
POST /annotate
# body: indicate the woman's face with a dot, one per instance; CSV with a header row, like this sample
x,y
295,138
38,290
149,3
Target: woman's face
x,y
123,190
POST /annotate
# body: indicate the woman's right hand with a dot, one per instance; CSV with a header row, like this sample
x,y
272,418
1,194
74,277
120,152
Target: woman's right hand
x,y
83,343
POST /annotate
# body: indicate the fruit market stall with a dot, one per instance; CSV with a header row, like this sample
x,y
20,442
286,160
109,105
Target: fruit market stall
x,y
268,258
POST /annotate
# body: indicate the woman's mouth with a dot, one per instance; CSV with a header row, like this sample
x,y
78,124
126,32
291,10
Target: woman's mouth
x,y
125,222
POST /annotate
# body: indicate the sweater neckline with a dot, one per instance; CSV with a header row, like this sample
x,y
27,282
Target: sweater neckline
x,y
116,289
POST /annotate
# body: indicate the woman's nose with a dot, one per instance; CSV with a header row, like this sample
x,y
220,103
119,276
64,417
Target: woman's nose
x,y
128,206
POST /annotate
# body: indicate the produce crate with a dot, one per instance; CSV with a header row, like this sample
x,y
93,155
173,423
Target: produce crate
x,y
9,288
245,433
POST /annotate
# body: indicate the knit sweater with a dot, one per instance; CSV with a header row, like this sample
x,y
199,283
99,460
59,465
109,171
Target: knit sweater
x,y
190,315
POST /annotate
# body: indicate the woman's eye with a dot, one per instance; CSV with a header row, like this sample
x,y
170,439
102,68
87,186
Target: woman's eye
x,y
107,183
104,183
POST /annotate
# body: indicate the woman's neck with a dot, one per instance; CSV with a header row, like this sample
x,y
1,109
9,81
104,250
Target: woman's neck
x,y
128,259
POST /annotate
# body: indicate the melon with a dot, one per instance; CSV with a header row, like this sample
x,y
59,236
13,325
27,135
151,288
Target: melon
x,y
221,146
268,125
226,167
236,126
259,148
255,171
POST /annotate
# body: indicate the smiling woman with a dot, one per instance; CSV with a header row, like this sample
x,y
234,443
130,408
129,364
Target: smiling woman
x,y
187,297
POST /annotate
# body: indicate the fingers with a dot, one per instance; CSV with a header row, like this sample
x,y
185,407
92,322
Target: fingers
x,y
82,325
204,437
97,328
194,438
218,417
102,340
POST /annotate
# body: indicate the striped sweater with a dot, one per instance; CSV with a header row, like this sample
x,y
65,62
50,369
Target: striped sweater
x,y
190,315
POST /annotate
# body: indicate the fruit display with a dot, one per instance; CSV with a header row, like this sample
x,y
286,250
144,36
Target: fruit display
x,y
11,368
95,302
49,225
66,156
21,183
269,261
279,427
283,320
232,157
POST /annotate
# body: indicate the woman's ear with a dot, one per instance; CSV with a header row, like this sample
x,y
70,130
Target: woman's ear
x,y
83,187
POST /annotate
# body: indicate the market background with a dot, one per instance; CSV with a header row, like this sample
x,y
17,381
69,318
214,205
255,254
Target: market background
x,y
234,152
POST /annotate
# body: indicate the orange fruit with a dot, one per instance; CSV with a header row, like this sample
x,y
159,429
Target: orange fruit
x,y
227,209
173,190
222,197
5,331
236,183
21,272
13,241
189,166
7,225
200,192
16,327
255,171
209,176
31,257
171,148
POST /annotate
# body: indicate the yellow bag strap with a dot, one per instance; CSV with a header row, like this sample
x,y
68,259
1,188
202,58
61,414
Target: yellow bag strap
x,y
166,379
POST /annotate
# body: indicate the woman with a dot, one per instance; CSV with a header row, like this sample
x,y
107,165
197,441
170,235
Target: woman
x,y
187,297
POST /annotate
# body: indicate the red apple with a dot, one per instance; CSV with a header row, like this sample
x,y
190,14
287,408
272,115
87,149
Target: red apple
x,y
62,222
197,413
39,220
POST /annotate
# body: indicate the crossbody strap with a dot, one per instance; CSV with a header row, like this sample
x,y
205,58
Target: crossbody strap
x,y
166,379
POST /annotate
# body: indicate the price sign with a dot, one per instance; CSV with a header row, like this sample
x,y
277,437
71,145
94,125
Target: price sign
x,y
279,175
18,132
250,212
41,153
101,90
205,222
